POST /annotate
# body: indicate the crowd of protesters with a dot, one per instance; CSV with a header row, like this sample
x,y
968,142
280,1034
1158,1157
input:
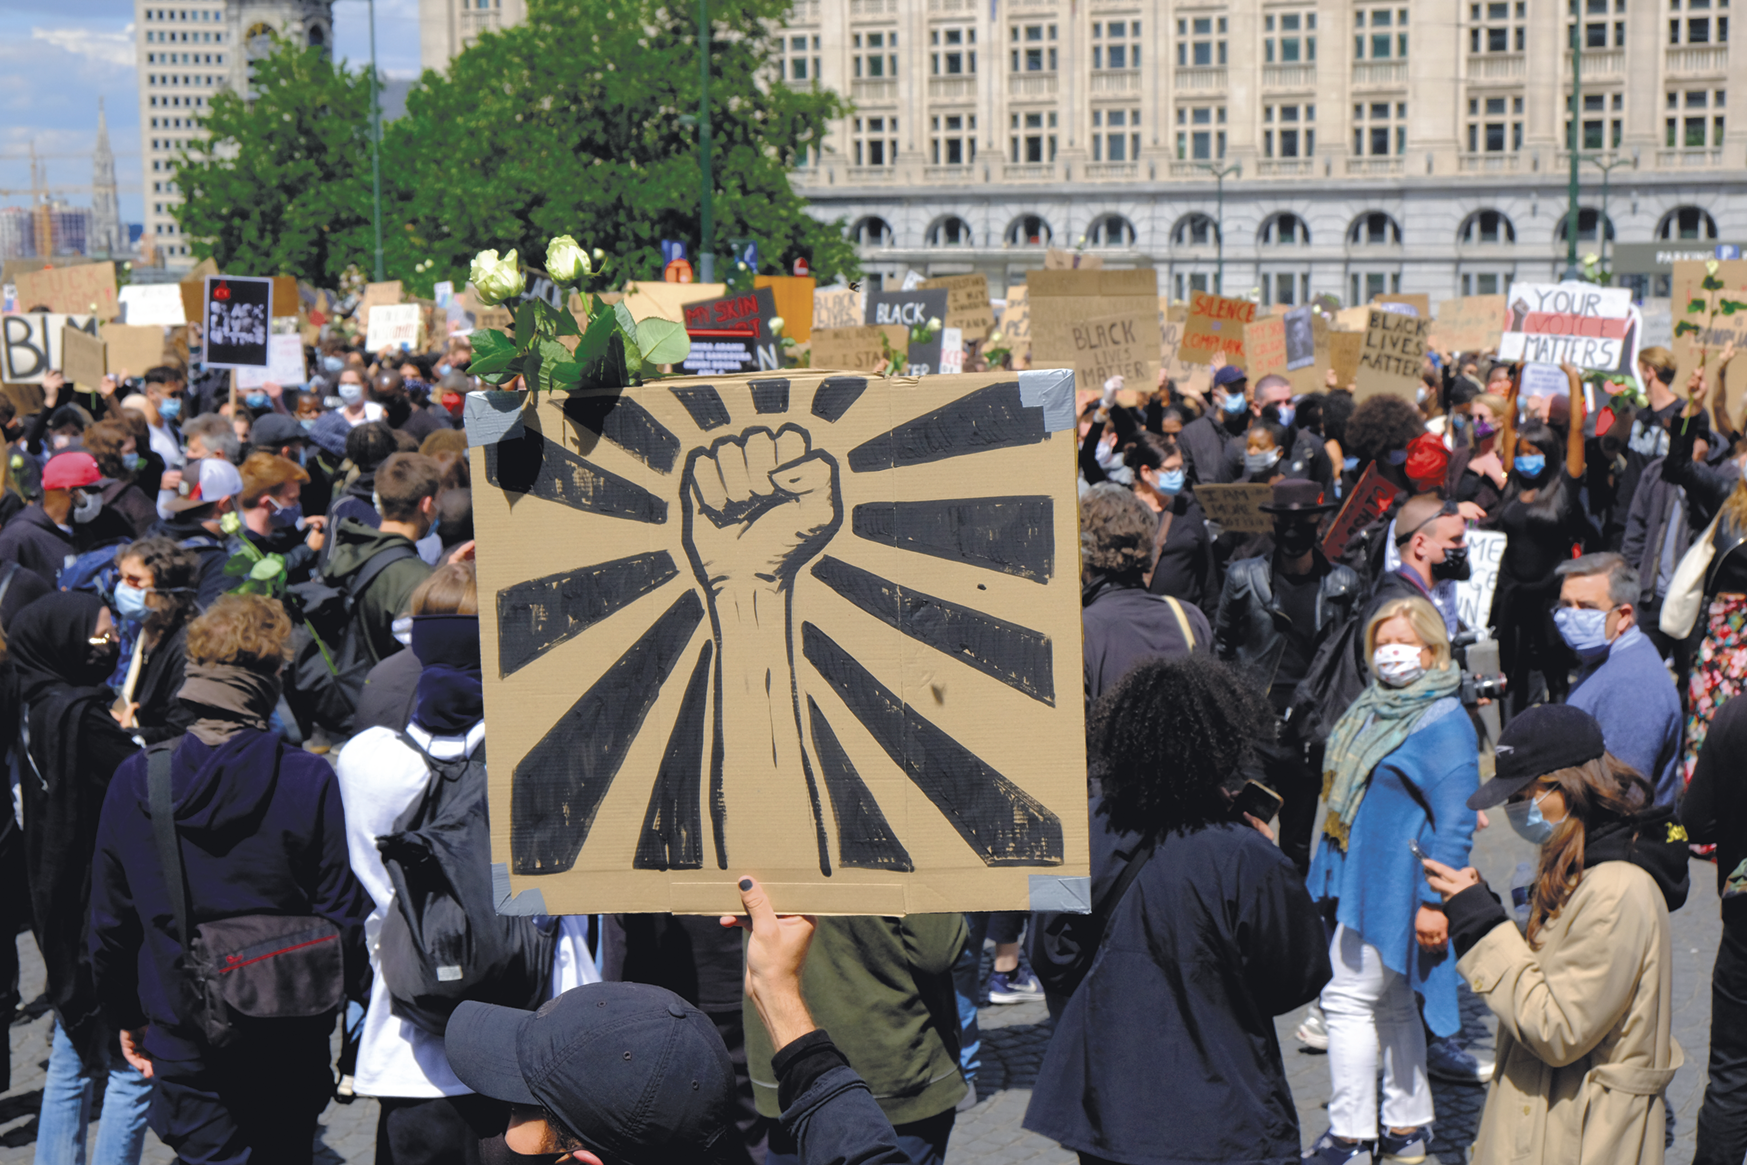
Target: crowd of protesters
x,y
241,705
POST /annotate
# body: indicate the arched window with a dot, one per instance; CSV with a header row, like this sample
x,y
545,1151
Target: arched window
x,y
950,231
1285,230
1110,230
1375,229
872,231
1195,230
1588,218
1028,230
1485,227
1687,222
258,41
316,37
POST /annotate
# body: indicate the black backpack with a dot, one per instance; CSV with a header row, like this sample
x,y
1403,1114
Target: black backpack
x,y
444,942
325,689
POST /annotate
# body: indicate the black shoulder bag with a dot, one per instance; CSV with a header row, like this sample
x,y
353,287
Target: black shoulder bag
x,y
1067,944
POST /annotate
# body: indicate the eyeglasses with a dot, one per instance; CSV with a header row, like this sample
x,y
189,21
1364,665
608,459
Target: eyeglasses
x,y
1449,509
107,639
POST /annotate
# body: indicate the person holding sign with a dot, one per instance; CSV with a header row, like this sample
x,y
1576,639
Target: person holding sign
x,y
1542,514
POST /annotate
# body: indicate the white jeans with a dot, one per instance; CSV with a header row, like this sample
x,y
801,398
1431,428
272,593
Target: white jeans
x,y
1367,1005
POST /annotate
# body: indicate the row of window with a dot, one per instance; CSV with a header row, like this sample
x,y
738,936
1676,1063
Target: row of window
x,y
174,123
174,36
167,79
167,101
184,58
192,15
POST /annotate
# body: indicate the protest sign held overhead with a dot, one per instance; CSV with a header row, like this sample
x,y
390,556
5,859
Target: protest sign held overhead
x,y
1216,324
30,344
1473,323
700,661
1238,507
837,307
392,325
967,303
1368,501
284,364
145,304
1061,302
1593,327
1416,304
236,314
732,334
909,309
82,359
857,349
133,349
1113,346
83,289
1016,321
1343,355
1389,359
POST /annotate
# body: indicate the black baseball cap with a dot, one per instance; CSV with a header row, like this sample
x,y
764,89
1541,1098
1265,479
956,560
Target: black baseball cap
x,y
634,1071
1538,741
276,429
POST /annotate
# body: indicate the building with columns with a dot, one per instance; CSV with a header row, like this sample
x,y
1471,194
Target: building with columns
x,y
187,52
1409,145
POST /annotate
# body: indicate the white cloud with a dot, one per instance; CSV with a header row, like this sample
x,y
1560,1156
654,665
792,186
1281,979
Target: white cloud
x,y
115,49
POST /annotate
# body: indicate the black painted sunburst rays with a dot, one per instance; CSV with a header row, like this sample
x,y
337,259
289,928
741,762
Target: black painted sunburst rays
x,y
631,465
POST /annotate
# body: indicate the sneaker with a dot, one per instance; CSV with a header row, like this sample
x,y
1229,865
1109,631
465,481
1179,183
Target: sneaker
x,y
1408,1149
1329,1151
1448,1060
1313,1032
1016,986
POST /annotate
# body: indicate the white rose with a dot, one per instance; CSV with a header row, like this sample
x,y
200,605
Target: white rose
x,y
776,325
495,279
565,261
934,323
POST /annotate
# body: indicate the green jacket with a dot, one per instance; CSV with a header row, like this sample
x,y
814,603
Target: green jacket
x,y
882,988
388,594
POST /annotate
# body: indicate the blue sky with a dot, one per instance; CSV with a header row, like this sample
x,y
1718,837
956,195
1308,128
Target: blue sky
x,y
55,61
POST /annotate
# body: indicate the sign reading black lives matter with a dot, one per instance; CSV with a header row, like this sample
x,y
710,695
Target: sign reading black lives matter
x,y
236,315
822,629
913,309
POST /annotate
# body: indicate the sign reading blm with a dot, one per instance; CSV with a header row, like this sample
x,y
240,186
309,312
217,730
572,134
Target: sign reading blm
x,y
818,628
236,315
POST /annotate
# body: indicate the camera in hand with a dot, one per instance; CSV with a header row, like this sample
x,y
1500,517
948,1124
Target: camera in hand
x,y
1478,659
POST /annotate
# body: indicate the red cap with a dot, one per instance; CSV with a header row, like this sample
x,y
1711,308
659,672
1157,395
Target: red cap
x,y
70,470
1427,460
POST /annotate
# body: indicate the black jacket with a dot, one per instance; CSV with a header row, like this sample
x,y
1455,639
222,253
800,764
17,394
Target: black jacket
x,y
1216,454
1714,808
391,693
161,715
1248,628
213,551
33,541
1124,625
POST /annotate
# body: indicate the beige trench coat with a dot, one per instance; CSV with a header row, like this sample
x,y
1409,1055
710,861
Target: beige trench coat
x,y
1584,1050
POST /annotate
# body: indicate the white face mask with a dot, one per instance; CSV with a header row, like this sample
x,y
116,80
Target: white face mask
x,y
87,507
1396,664
351,393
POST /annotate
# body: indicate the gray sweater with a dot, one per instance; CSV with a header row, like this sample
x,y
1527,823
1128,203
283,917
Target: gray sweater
x,y
1632,696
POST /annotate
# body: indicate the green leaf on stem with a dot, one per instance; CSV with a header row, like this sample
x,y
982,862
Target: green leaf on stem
x,y
1685,327
1712,283
1696,306
1730,306
662,341
526,332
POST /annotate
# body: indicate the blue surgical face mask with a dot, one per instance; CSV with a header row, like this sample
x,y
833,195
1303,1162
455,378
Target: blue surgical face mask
x,y
351,393
130,602
1526,820
257,400
444,369
332,363
130,461
308,424
1170,481
1583,629
1234,403
1531,465
1349,463
1287,412
288,516
170,408
1258,462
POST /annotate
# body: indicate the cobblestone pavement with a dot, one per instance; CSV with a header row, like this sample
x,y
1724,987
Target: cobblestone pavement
x,y
1014,1038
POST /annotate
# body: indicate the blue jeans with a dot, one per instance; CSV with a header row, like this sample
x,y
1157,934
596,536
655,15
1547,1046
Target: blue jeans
x,y
967,985
68,1093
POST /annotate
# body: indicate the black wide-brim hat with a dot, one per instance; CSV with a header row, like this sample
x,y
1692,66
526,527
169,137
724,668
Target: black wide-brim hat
x,y
1298,496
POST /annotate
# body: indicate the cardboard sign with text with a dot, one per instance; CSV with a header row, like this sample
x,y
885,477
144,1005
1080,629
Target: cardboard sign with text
x,y
1059,302
1470,324
1216,324
392,325
30,344
285,365
1390,359
1265,347
764,625
1720,319
1237,507
794,302
1016,322
387,292
1056,259
1368,501
152,304
86,289
1474,593
131,349
967,303
837,307
1115,346
856,349
732,334
82,360
1343,355
1572,323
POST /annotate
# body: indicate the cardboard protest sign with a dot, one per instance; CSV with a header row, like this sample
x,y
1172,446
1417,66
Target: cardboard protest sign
x,y
1237,507
85,289
732,334
1369,500
1470,324
909,308
967,303
287,301
837,307
760,625
1114,346
793,295
1474,593
1389,361
1707,320
1353,319
388,292
856,349
130,350
152,304
1265,347
30,344
1015,326
1060,305
1056,259
1416,303
1343,355
236,315
392,325
82,360
1216,324
1572,323
667,301
284,365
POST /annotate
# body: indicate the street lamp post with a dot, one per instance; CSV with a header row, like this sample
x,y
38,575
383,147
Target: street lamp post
x,y
375,149
1606,169
706,223
1572,215
1235,170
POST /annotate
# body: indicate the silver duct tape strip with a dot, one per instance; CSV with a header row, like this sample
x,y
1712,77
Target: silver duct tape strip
x,y
529,901
1053,891
1052,390
492,416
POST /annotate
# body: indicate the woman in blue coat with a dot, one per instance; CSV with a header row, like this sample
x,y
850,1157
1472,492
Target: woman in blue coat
x,y
1166,1054
1400,766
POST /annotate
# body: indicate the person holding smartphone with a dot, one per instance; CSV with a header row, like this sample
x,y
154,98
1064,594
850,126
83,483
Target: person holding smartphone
x,y
1584,998
1399,767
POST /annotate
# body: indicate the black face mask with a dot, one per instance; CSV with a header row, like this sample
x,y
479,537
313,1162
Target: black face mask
x,y
1455,565
1295,539
493,1151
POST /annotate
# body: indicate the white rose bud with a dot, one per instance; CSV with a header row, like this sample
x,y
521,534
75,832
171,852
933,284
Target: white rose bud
x,y
495,279
776,325
565,261
600,256
994,337
934,323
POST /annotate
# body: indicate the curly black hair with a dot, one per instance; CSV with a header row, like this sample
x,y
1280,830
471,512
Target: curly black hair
x,y
1168,737
1380,424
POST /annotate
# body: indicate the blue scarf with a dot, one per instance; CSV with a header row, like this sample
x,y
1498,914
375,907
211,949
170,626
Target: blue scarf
x,y
451,687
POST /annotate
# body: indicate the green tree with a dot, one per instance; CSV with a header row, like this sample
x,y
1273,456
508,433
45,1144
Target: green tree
x,y
579,122
282,184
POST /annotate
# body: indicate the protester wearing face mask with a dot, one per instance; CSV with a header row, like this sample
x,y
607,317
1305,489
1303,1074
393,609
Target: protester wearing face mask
x,y
1621,679
163,408
1431,557
406,491
126,506
1481,478
195,523
273,517
1274,612
1399,766
154,599
1303,452
329,430
1181,562
1584,997
1542,514
64,647
1214,442
48,531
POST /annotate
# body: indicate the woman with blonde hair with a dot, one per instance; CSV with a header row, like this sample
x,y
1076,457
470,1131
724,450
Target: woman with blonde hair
x,y
1399,766
1584,999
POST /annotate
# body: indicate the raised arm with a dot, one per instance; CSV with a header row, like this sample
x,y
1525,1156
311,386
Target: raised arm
x,y
1507,431
1574,462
